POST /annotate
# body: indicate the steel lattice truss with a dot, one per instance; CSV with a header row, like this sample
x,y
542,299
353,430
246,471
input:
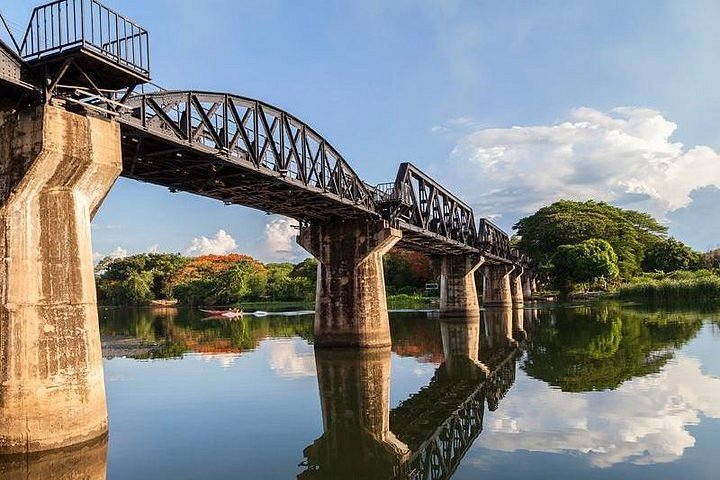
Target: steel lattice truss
x,y
436,221
494,241
241,151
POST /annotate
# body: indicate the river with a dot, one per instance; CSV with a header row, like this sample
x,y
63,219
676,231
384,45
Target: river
x,y
581,391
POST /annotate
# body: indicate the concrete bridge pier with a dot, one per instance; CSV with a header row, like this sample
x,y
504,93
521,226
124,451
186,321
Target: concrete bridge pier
x,y
497,292
458,294
516,290
56,168
350,301
527,286
355,400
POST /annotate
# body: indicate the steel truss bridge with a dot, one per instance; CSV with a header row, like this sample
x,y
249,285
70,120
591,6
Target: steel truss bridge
x,y
231,148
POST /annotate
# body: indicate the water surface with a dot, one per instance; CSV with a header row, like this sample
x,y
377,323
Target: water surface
x,y
603,391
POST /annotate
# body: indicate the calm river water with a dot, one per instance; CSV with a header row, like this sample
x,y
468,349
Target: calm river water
x,y
602,391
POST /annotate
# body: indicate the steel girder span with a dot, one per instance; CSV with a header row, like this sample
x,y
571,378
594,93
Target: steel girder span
x,y
240,151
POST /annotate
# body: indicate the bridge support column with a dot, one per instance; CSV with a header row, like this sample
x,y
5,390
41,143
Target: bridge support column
x,y
350,302
56,168
497,291
516,291
527,286
458,295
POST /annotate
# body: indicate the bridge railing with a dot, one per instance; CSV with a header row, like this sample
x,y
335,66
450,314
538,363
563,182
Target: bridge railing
x,y
64,25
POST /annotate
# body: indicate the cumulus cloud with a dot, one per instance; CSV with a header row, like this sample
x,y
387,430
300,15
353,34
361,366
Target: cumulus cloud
x,y
290,358
280,239
643,422
624,156
119,252
221,244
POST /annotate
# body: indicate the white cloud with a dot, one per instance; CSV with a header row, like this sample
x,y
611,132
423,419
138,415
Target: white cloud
x,y
119,252
292,359
225,360
643,422
624,156
280,239
221,244
154,248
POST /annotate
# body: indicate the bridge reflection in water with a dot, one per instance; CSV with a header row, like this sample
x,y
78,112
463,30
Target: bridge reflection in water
x,y
427,435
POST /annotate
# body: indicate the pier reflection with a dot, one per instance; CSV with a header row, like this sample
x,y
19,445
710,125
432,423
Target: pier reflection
x,y
355,401
87,462
426,435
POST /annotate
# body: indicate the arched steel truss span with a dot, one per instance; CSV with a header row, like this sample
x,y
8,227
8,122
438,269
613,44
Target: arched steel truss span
x,y
239,150
245,151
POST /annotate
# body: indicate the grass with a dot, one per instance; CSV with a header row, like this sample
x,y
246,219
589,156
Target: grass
x,y
415,301
700,285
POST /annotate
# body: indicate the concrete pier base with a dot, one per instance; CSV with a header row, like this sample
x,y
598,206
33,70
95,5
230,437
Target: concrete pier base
x,y
527,286
87,461
458,295
350,302
516,290
56,168
497,291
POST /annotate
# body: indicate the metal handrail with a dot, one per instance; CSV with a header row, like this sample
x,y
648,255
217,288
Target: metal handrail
x,y
64,25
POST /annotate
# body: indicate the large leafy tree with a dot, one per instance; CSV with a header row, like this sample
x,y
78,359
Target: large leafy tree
x,y
138,278
406,270
568,223
584,262
669,255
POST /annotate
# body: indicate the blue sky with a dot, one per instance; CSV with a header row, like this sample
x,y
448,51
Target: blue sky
x,y
511,104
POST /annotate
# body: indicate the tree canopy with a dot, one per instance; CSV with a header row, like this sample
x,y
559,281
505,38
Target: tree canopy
x,y
584,262
567,222
232,278
669,255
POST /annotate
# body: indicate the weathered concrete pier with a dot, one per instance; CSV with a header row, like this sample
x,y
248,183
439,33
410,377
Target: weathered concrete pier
x,y
350,302
56,168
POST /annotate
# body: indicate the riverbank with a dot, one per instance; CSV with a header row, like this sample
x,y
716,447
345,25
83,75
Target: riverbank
x,y
700,285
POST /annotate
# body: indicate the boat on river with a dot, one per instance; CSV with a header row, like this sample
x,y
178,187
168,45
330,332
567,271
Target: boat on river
x,y
232,313
168,302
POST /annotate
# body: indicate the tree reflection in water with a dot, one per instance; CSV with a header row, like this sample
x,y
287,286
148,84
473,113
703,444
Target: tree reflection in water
x,y
600,347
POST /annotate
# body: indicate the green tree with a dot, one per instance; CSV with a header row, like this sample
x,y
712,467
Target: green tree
x,y
569,223
669,255
584,262
406,271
